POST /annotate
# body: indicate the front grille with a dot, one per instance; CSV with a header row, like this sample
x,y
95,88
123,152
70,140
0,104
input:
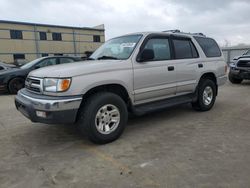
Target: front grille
x,y
33,84
243,63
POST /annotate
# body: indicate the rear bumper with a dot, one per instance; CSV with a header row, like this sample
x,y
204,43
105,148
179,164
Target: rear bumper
x,y
57,110
221,80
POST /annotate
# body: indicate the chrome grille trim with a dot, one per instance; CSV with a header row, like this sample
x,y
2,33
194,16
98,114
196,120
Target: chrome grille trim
x,y
34,84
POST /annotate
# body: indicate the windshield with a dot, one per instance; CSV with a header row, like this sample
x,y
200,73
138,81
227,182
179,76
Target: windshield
x,y
117,48
247,52
30,64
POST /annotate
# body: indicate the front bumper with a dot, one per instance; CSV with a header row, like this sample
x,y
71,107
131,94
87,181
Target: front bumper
x,y
3,88
240,73
58,110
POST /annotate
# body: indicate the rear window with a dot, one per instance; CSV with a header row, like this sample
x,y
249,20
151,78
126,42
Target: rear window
x,y
209,46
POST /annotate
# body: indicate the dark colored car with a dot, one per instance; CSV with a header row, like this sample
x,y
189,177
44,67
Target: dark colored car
x,y
240,68
13,78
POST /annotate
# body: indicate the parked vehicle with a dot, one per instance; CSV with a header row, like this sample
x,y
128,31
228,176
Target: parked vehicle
x,y
240,70
136,73
5,66
12,79
246,54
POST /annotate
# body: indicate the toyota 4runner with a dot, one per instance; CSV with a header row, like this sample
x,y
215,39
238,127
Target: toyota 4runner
x,y
136,73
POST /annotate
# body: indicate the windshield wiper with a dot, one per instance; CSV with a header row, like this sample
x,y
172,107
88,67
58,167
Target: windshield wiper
x,y
106,57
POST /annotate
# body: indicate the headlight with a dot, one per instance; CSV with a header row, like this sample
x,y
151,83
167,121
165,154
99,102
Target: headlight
x,y
56,85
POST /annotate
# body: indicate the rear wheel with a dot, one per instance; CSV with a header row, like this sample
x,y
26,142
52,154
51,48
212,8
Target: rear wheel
x,y
15,84
206,95
103,117
233,79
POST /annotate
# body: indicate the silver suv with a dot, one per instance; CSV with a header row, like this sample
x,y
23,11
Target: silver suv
x,y
136,73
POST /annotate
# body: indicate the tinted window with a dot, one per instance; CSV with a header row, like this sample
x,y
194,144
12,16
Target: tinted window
x,y
57,36
194,51
209,46
183,49
160,47
16,34
47,62
66,60
43,35
18,56
96,38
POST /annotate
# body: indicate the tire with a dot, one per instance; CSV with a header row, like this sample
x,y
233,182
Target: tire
x,y
209,87
233,79
92,115
15,84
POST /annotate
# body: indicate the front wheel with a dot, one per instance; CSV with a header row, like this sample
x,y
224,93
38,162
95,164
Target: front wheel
x,y
103,117
206,95
234,80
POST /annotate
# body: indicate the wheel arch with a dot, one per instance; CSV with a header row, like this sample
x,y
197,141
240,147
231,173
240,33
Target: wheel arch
x,y
116,88
210,76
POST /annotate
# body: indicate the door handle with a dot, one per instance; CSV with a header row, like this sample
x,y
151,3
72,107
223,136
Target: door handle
x,y
200,65
170,68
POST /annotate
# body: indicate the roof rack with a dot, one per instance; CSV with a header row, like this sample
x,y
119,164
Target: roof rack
x,y
173,31
178,31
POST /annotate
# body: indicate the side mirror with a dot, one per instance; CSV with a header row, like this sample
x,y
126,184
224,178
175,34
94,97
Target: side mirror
x,y
146,55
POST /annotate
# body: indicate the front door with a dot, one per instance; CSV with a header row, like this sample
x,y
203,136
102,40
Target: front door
x,y
155,79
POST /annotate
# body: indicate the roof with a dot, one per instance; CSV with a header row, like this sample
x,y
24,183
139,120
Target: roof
x,y
49,25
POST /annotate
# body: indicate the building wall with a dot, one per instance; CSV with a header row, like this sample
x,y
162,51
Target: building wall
x,y
231,52
75,41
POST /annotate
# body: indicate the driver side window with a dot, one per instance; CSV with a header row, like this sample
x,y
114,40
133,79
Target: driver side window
x,y
160,47
47,62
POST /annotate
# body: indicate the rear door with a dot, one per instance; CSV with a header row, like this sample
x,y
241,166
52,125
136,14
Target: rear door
x,y
155,79
187,63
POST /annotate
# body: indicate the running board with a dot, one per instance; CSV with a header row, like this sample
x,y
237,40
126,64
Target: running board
x,y
162,104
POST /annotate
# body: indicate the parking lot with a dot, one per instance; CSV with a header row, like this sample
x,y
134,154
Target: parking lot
x,y
177,147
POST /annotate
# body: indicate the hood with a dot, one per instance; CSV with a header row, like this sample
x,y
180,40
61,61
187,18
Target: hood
x,y
79,68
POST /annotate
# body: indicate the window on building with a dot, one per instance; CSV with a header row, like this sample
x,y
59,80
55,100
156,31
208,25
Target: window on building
x,y
58,54
184,49
18,56
209,46
16,34
57,36
45,55
96,38
43,35
161,48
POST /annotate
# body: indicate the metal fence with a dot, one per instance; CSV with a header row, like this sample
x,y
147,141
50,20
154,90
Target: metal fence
x,y
230,52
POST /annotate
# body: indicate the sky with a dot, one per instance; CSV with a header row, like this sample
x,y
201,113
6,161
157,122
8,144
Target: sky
x,y
227,21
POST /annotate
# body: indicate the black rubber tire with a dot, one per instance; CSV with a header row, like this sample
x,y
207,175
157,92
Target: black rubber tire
x,y
199,105
88,111
15,84
233,79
